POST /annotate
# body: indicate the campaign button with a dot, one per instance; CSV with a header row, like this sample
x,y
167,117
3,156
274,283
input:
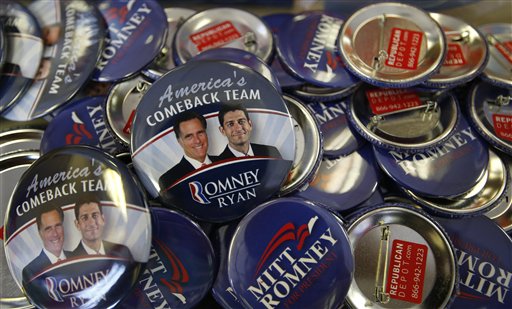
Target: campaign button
x,y
309,147
446,171
277,22
77,230
121,104
344,182
403,119
137,32
165,61
484,258
403,259
490,112
392,45
12,166
466,53
21,47
180,269
312,93
73,34
340,139
201,141
490,192
499,42
313,57
81,123
242,57
301,259
222,27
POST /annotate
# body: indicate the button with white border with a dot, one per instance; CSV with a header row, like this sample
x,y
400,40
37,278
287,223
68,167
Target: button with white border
x,y
77,230
214,172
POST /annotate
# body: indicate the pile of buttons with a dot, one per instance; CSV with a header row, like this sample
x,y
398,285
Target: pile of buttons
x,y
168,158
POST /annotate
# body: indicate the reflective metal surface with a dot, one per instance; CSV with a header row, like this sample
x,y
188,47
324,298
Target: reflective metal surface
x,y
372,39
222,27
122,101
423,125
308,143
493,191
499,67
19,140
377,237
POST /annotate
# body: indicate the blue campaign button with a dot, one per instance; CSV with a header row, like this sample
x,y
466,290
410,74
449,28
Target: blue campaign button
x,y
21,47
201,139
276,22
313,57
73,34
78,230
341,193
484,258
137,33
448,170
301,259
491,114
81,123
181,266
340,139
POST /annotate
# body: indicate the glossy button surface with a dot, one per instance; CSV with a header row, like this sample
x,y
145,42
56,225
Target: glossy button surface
x,y
77,230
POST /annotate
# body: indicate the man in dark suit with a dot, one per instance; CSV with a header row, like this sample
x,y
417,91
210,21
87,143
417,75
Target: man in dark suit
x,y
236,125
190,130
90,221
51,230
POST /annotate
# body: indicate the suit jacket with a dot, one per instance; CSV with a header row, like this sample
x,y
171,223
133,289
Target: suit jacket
x,y
37,265
257,149
176,172
111,249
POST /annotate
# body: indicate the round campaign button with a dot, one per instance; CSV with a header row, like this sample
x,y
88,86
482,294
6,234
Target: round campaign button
x,y
340,139
344,182
312,57
487,194
490,112
12,166
309,147
242,57
222,27
301,259
137,32
392,45
22,49
448,170
121,104
277,22
501,212
466,53
484,258
180,269
165,61
81,123
73,34
499,40
77,230
403,119
310,92
201,139
403,259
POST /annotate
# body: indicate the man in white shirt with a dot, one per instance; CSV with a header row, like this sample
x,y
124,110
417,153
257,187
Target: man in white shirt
x,y
190,130
51,230
90,221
